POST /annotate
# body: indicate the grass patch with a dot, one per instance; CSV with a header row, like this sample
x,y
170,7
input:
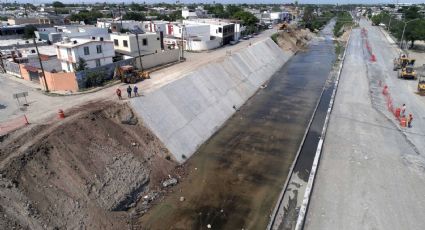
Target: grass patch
x,y
343,19
274,37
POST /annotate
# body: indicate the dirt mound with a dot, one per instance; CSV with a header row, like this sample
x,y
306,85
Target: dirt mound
x,y
84,172
293,39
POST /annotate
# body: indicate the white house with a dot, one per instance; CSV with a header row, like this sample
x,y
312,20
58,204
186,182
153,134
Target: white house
x,y
224,29
126,43
96,52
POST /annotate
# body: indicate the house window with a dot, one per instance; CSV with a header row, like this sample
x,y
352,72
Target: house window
x,y
220,29
115,42
99,49
97,62
69,66
86,50
145,41
125,43
69,52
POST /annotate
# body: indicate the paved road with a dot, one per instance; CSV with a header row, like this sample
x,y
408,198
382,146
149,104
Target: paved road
x,y
370,176
43,107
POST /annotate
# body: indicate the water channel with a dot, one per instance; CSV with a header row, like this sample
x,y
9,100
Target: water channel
x,y
236,177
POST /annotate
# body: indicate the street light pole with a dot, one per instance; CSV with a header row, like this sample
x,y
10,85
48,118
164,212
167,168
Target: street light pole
x,y
404,29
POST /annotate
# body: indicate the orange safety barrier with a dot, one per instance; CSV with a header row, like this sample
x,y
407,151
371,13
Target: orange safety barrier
x,y
403,122
13,124
61,114
397,113
385,90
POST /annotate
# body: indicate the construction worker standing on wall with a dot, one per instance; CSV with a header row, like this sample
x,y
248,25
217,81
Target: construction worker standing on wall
x,y
118,92
409,120
403,110
136,91
129,89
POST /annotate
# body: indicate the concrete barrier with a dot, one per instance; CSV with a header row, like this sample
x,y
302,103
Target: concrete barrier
x,y
186,112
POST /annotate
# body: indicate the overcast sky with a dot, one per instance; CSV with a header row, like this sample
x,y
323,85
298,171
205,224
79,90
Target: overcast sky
x,y
227,1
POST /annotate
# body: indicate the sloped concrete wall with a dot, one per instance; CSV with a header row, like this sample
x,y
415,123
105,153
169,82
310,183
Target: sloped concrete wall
x,y
186,112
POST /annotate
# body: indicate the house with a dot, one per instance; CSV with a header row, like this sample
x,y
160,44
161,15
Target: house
x,y
37,20
116,25
57,33
199,12
126,43
195,37
226,30
96,52
151,48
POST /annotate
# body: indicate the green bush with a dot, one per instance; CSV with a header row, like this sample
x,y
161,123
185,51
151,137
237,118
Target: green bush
x,y
94,79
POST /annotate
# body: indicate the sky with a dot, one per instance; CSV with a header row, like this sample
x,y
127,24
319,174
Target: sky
x,y
228,1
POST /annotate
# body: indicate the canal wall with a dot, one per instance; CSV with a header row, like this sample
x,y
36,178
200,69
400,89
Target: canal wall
x,y
187,112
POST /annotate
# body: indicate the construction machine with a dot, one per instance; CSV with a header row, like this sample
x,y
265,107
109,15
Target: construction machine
x,y
408,71
421,85
402,62
128,74
283,26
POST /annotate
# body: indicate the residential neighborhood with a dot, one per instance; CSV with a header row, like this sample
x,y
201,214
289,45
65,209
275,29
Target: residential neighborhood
x,y
212,115
132,34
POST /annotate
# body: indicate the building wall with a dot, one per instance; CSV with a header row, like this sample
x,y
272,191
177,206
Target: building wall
x,y
158,59
153,43
200,31
60,81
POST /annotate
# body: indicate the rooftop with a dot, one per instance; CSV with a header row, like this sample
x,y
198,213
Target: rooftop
x,y
77,42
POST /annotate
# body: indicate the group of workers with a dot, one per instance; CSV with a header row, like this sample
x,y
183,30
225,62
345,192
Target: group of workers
x,y
409,118
135,89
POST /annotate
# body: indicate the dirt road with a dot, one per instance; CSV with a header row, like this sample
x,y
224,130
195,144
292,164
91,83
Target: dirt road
x,y
372,172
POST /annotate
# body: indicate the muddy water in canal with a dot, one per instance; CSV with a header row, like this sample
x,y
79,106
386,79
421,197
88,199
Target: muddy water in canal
x,y
235,178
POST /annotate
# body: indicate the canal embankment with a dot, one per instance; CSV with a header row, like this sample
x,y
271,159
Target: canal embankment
x,y
187,112
236,176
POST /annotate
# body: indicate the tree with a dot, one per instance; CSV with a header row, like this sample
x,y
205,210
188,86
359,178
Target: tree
x,y
86,17
57,4
29,31
82,64
134,16
276,9
247,18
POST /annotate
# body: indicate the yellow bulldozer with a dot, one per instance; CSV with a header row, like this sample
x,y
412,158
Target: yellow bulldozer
x,y
128,74
402,61
407,72
283,26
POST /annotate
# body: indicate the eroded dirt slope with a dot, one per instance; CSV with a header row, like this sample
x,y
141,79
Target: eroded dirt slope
x,y
85,172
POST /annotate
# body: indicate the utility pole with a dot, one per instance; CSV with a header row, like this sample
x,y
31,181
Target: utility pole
x,y
182,43
41,65
138,48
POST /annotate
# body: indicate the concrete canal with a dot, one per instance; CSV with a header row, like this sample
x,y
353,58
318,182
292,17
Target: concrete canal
x,y
236,177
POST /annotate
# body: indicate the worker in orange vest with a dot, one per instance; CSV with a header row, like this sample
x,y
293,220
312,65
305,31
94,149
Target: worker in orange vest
x,y
118,91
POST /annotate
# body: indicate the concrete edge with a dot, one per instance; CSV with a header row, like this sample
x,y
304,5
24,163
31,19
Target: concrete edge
x,y
291,169
303,209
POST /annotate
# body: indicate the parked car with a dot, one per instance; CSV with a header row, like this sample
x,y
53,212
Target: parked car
x,y
245,37
270,27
